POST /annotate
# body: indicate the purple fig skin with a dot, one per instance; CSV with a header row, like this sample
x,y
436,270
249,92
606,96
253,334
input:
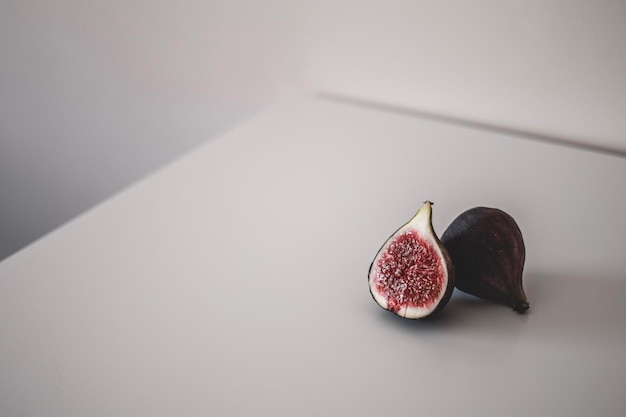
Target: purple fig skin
x,y
488,253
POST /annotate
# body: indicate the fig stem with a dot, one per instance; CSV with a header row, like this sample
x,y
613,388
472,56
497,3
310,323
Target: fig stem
x,y
423,215
521,306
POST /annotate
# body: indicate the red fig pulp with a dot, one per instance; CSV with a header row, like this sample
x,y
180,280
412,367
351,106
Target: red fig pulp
x,y
488,252
411,275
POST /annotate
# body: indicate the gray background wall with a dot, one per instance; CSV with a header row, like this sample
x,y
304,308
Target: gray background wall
x,y
95,96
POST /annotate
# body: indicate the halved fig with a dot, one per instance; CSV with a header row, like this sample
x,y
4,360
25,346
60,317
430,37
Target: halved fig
x,y
412,275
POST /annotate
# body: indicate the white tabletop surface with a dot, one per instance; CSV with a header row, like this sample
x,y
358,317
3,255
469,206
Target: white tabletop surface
x,y
233,282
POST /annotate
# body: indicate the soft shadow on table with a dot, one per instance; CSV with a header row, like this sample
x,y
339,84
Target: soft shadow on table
x,y
559,303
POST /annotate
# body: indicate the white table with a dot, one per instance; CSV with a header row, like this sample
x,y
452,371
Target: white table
x,y
233,282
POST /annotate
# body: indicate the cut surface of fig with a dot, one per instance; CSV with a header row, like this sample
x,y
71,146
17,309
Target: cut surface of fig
x,y
488,252
411,275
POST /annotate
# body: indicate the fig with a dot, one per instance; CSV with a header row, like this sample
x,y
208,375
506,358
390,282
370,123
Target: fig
x,y
411,275
487,249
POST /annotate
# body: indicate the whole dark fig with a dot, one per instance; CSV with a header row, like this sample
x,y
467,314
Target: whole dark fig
x,y
488,253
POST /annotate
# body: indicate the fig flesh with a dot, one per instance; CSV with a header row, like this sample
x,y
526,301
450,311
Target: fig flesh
x,y
411,275
488,252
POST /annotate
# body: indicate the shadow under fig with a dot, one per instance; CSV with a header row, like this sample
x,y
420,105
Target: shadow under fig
x,y
560,305
463,312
